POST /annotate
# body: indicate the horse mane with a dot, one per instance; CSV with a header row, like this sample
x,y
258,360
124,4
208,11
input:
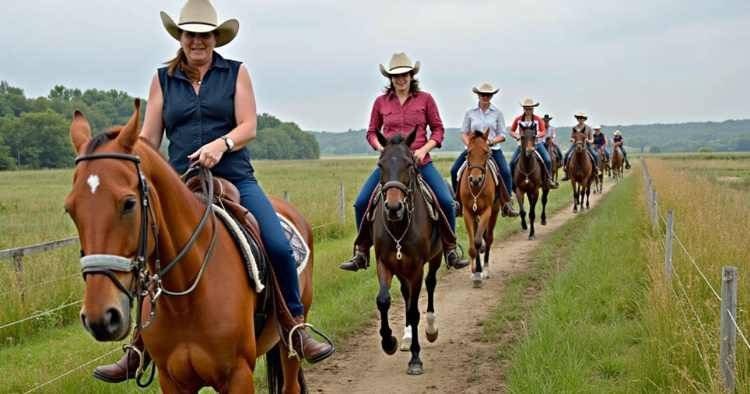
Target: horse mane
x,y
396,139
100,139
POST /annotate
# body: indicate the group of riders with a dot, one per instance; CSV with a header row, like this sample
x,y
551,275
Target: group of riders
x,y
205,106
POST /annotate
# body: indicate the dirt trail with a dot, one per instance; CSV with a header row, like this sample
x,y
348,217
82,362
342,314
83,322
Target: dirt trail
x,y
458,362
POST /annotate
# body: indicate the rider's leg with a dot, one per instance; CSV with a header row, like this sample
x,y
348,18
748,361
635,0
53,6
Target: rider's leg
x,y
126,367
502,165
514,160
625,156
361,257
566,158
438,186
454,171
547,164
281,256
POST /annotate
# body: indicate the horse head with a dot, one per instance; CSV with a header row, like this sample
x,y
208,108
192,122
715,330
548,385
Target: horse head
x,y
477,154
106,204
579,139
398,169
528,137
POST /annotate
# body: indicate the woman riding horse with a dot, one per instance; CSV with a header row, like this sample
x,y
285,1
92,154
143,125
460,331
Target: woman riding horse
x,y
478,119
551,140
206,106
400,109
528,116
581,127
618,141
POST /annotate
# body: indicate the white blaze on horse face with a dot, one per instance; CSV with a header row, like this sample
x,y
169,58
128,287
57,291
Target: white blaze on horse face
x,y
93,182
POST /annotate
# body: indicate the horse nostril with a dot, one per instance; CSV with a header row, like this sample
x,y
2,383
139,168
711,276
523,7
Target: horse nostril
x,y
84,321
113,319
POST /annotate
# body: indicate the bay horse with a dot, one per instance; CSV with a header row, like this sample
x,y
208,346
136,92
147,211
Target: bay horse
x,y
580,171
554,158
133,212
405,238
618,159
480,204
602,168
528,177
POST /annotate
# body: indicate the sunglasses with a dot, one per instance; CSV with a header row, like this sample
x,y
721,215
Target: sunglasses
x,y
485,95
202,36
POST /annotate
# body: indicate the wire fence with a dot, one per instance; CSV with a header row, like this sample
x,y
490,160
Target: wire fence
x,y
663,226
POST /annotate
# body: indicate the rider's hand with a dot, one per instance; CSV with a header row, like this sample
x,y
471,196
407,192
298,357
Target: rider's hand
x,y
210,154
419,154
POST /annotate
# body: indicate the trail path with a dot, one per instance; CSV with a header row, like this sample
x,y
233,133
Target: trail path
x,y
458,362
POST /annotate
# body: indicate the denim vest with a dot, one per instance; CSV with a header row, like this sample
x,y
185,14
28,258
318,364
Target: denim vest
x,y
193,120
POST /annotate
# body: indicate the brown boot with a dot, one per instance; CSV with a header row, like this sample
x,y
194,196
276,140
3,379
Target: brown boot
x,y
361,260
508,211
126,367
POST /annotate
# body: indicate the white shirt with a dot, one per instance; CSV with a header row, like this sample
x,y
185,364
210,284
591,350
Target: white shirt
x,y
477,119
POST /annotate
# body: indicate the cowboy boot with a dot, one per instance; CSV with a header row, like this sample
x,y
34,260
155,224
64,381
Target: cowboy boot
x,y
459,209
508,211
627,164
126,367
294,333
452,259
360,260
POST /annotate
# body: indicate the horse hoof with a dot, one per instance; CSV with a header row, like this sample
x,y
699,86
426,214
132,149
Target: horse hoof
x,y
431,331
431,337
406,340
531,237
389,345
415,368
544,221
476,280
485,274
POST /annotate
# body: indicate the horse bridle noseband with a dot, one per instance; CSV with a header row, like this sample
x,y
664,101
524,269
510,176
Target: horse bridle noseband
x,y
483,169
409,206
144,285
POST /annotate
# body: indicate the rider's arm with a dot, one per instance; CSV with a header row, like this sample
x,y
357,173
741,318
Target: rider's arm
x,y
499,129
437,131
244,110
514,128
466,128
376,122
153,127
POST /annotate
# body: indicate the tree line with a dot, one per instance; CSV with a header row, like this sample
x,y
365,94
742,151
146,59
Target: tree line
x,y
34,131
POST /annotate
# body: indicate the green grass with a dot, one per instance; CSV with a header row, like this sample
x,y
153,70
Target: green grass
x,y
56,343
583,333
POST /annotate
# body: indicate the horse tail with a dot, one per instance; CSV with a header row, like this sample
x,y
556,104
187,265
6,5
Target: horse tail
x,y
274,373
302,383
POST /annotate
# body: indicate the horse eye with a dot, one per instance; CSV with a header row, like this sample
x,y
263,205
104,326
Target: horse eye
x,y
129,205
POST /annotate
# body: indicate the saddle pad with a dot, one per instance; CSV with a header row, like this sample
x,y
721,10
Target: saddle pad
x,y
493,170
300,249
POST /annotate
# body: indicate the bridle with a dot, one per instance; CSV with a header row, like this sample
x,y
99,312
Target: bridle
x,y
483,169
408,205
147,283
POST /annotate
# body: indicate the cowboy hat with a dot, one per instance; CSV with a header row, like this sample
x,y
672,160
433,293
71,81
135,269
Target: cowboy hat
x,y
199,16
617,132
485,88
580,115
547,117
527,102
597,127
399,64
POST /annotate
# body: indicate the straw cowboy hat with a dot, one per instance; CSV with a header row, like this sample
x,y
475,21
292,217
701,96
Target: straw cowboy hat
x,y
580,115
527,102
199,16
485,88
399,64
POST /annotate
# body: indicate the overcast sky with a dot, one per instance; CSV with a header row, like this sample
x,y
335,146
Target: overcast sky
x,y
316,62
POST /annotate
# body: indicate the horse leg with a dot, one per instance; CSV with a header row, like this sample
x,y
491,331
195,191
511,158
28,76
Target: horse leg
x,y
521,211
545,194
412,313
241,380
431,331
489,237
471,228
574,186
480,246
406,339
387,341
588,194
533,197
169,386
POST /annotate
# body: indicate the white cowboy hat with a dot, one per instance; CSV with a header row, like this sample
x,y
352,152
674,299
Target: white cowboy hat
x,y
199,16
399,64
581,115
617,132
527,102
597,127
485,88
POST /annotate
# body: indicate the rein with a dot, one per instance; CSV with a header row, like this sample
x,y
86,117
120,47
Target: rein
x,y
409,203
483,169
146,284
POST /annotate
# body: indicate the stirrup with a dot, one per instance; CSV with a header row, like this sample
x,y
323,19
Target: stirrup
x,y
293,353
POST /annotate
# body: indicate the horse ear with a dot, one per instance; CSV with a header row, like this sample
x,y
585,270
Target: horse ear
x,y
80,131
129,133
381,139
411,137
486,134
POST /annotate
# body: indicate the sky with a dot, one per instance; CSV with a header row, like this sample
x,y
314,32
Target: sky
x,y
316,62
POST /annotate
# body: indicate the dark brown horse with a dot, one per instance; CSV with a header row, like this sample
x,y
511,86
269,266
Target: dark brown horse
x,y
480,206
133,212
602,168
580,171
405,238
617,163
554,158
528,176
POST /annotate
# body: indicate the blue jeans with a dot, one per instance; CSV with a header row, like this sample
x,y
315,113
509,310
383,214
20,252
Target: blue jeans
x,y
542,152
499,158
430,175
591,150
279,252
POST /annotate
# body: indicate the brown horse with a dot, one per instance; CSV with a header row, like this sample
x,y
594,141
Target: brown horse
x,y
554,158
581,171
528,176
133,214
618,159
405,238
479,202
602,167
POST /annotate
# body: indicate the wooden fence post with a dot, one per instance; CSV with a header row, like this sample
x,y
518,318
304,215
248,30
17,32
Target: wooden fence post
x,y
286,196
342,209
728,333
668,245
654,210
18,267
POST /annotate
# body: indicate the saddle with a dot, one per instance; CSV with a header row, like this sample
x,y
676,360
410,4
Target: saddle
x,y
246,233
495,171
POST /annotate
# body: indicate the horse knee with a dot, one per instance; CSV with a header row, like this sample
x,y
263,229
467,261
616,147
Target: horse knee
x,y
383,300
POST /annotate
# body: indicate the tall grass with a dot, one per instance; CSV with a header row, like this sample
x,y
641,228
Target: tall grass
x,y
682,318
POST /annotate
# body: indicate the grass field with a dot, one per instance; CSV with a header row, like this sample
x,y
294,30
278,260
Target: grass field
x,y
44,348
